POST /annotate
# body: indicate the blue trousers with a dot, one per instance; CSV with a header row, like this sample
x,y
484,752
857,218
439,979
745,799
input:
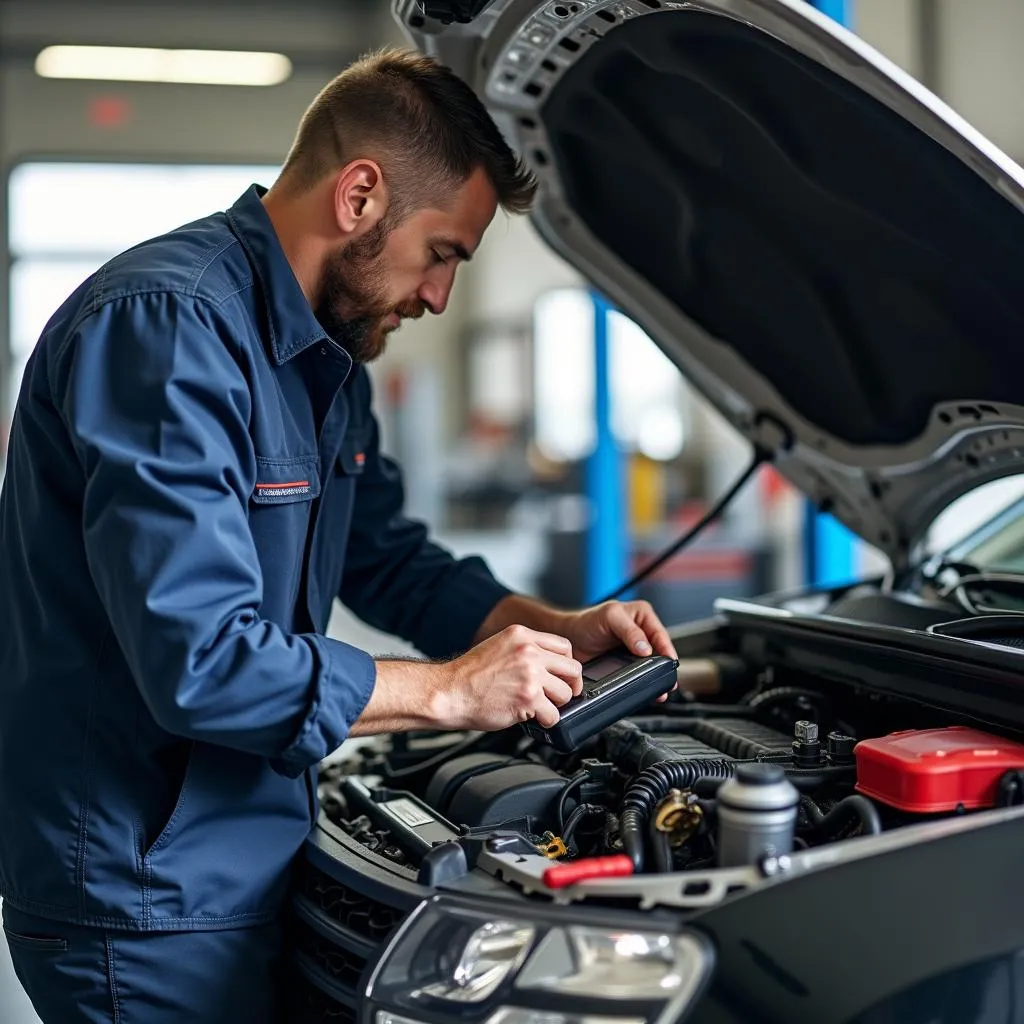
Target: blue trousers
x,y
79,975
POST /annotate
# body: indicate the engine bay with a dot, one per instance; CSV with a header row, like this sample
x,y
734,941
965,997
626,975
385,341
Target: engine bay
x,y
747,766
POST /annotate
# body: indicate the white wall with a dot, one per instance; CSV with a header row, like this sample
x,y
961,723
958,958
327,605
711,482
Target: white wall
x,y
891,26
970,56
981,69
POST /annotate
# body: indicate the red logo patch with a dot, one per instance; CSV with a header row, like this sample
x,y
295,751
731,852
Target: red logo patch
x,y
284,489
287,483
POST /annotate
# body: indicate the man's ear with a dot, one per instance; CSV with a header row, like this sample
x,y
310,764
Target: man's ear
x,y
360,197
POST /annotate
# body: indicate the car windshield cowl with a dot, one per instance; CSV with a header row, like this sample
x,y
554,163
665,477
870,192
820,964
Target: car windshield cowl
x,y
978,589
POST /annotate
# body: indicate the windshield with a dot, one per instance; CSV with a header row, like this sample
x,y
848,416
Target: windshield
x,y
998,545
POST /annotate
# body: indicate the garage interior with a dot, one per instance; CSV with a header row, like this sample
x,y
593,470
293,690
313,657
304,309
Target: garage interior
x,y
491,408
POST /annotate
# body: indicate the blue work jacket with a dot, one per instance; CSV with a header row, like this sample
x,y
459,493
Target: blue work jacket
x,y
193,476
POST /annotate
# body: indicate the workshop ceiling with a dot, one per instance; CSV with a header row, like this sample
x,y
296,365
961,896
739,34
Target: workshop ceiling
x,y
313,33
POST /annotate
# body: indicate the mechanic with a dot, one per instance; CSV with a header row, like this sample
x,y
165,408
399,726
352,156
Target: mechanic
x,y
193,476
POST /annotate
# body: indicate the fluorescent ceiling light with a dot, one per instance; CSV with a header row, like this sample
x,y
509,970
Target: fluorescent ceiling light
x,y
142,64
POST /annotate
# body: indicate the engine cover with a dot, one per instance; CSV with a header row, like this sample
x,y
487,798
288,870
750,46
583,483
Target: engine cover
x,y
484,789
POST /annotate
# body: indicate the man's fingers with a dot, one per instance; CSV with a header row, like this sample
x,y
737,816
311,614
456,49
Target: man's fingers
x,y
546,641
647,619
567,669
546,714
624,626
557,691
645,633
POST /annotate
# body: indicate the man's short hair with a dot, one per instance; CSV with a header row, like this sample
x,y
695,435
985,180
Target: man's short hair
x,y
420,121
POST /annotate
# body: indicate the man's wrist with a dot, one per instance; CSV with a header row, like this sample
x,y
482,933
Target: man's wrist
x,y
438,698
408,694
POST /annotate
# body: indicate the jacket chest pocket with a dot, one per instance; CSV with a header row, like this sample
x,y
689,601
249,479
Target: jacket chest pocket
x,y
286,481
279,515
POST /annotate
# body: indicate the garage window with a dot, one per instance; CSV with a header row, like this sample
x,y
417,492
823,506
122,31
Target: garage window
x,y
66,219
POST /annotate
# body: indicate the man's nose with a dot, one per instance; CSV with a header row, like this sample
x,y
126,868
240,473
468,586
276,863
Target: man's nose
x,y
435,294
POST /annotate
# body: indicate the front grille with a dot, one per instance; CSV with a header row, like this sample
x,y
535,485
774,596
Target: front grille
x,y
342,967
366,917
335,931
311,1006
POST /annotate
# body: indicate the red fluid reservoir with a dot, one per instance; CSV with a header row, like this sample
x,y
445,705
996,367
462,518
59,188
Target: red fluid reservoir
x,y
930,770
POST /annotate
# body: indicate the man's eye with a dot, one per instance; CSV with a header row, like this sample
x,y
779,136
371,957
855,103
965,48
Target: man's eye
x,y
436,257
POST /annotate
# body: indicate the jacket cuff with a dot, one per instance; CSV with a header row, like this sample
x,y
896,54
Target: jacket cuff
x,y
343,682
453,618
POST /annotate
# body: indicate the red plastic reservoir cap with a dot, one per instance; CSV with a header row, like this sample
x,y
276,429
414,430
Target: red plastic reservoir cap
x,y
930,770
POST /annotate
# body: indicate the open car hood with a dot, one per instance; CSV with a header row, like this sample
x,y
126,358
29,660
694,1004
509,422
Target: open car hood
x,y
828,253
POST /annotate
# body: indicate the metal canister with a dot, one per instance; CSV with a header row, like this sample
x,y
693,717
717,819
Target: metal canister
x,y
756,815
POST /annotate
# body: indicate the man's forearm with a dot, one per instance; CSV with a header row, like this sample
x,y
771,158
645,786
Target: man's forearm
x,y
413,694
516,610
407,695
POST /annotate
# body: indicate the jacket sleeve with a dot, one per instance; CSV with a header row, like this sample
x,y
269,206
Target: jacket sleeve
x,y
157,407
396,579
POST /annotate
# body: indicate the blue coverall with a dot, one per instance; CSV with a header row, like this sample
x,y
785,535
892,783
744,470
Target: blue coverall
x,y
193,476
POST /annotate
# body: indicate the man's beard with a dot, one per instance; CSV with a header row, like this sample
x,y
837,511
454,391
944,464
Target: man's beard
x,y
353,297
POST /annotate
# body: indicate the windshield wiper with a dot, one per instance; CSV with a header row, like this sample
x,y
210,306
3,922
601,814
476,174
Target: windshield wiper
x,y
975,589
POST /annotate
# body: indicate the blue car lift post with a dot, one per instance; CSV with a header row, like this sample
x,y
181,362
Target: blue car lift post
x,y
830,549
607,539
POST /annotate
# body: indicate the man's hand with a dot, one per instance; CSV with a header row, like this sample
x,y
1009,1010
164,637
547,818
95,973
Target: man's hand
x,y
631,624
511,677
592,631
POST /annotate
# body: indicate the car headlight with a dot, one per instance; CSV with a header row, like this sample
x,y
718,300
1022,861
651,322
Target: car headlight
x,y
450,960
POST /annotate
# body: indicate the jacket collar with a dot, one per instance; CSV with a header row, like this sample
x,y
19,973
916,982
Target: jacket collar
x,y
292,325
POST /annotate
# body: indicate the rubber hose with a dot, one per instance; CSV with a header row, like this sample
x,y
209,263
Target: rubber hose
x,y
652,785
857,806
661,850
633,749
577,780
438,758
631,832
809,779
611,828
625,743
578,814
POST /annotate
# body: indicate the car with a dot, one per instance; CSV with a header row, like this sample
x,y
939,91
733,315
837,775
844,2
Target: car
x,y
825,822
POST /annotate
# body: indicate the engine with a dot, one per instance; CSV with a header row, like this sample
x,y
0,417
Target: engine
x,y
689,786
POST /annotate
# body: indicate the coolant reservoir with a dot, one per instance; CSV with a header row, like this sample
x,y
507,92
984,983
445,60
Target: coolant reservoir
x,y
756,815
